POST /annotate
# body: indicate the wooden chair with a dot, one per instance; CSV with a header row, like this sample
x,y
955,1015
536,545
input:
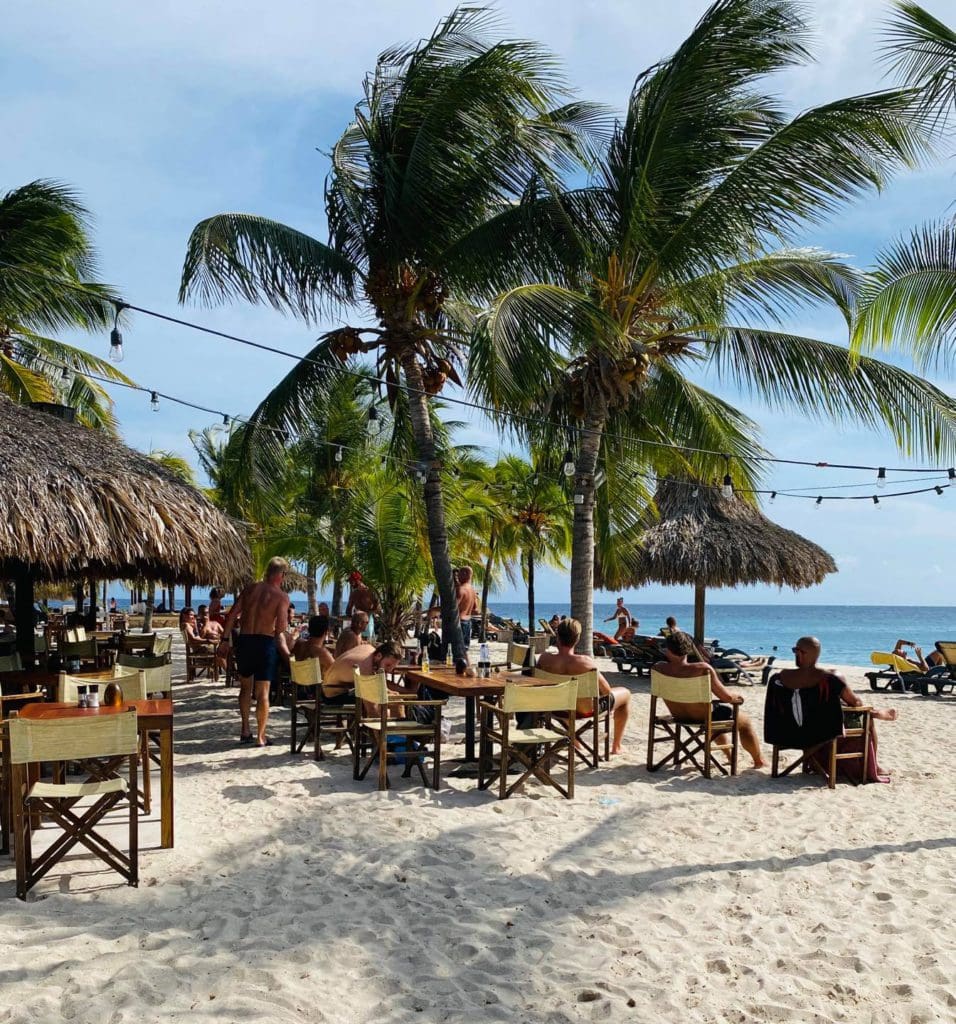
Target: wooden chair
x,y
9,705
155,680
534,747
11,663
306,684
375,730
201,661
593,724
688,740
67,685
156,669
163,647
137,643
516,654
824,723
83,651
62,740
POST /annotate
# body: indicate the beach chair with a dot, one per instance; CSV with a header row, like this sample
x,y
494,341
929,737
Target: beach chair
x,y
137,643
814,721
591,724
535,748
306,699
83,651
516,654
547,630
638,657
156,670
71,739
374,730
8,706
201,660
897,673
943,676
163,647
688,741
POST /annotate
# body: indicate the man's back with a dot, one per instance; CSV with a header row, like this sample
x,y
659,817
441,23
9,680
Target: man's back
x,y
344,668
263,609
562,664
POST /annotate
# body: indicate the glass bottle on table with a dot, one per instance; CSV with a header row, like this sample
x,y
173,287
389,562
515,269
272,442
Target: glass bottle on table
x,y
426,664
484,661
527,667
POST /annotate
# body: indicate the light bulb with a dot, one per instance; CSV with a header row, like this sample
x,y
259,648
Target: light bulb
x,y
952,474
773,497
154,401
939,490
881,477
819,503
514,490
876,501
727,490
338,454
116,346
225,420
373,415
568,465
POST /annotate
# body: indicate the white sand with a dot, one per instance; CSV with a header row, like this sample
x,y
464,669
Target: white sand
x,y
296,894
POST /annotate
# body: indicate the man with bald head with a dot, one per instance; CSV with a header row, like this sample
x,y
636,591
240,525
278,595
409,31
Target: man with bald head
x,y
806,653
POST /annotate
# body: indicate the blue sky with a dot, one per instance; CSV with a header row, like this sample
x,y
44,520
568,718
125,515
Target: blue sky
x,y
163,114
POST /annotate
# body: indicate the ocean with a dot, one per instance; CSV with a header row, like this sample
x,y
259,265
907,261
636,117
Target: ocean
x,y
848,632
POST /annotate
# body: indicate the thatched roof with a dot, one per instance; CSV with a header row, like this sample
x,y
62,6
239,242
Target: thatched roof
x,y
711,541
75,500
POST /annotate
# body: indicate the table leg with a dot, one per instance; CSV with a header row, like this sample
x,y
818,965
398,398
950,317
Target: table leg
x,y
470,708
166,781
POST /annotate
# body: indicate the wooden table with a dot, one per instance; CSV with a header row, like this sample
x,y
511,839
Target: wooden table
x,y
40,679
445,680
151,716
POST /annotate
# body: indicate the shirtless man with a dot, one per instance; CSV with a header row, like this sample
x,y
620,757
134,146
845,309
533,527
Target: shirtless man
x,y
314,646
678,647
468,603
623,617
806,653
567,663
263,613
340,678
361,599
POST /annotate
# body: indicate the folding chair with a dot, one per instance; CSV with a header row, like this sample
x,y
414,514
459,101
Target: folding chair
x,y
11,663
163,647
83,651
534,748
377,728
201,661
592,723
516,653
71,739
67,685
137,643
8,706
688,741
814,720
306,684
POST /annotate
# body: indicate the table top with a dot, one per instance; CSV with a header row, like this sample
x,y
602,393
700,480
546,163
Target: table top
x,y
445,680
53,710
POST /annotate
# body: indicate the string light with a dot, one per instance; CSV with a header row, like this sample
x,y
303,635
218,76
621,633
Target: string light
x,y
773,497
116,338
952,474
819,503
338,454
876,501
939,490
514,490
881,477
154,401
225,419
568,464
727,488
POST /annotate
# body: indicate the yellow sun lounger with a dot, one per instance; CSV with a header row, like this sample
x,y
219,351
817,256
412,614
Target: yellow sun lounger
x,y
892,677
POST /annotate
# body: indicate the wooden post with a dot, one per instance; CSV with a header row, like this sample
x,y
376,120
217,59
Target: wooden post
x,y
699,600
23,614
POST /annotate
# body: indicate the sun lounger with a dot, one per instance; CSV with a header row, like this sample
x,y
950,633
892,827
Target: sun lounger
x,y
639,656
902,675
944,676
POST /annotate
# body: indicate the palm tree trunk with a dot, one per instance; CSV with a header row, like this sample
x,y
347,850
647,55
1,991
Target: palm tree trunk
x,y
188,595
434,504
310,568
582,540
337,582
531,618
150,602
486,585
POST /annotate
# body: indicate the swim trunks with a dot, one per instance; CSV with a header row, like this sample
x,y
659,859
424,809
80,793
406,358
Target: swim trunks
x,y
348,697
256,656
720,712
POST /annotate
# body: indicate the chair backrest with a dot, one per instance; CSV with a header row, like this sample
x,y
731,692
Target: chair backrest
x,y
587,682
692,690
78,649
72,739
15,701
134,683
11,663
520,697
307,672
137,641
163,645
894,661
156,669
39,645
516,653
947,648
796,719
373,689
546,626
76,634
66,687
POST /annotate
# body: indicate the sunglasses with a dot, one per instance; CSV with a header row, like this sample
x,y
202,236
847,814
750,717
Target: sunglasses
x,y
798,650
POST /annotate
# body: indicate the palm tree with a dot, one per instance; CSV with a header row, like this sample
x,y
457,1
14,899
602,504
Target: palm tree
x,y
912,291
420,202
46,265
673,260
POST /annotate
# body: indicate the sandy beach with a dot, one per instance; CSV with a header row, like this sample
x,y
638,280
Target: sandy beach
x,y
297,894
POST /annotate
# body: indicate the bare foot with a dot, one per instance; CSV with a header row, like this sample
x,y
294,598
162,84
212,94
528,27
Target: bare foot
x,y
886,714
617,750
760,764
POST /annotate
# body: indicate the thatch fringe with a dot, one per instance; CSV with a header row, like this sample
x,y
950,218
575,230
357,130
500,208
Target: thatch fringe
x,y
75,501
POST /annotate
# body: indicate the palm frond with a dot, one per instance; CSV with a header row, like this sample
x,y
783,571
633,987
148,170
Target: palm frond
x,y
922,50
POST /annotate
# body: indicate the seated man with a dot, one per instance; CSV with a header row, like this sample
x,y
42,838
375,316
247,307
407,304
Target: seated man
x,y
189,626
567,663
338,681
360,624
678,649
806,654
208,629
924,664
314,646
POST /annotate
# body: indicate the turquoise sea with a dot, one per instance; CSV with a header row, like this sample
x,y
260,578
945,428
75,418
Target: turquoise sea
x,y
848,633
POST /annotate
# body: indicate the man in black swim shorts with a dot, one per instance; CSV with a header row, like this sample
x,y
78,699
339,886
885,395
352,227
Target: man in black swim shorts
x,y
262,610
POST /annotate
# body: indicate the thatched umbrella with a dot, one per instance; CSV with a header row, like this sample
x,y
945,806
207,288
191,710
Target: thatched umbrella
x,y
76,502
702,538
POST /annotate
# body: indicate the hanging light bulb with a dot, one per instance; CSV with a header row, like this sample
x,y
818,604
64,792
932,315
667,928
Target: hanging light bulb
x,y
819,503
487,488
876,501
568,464
773,497
534,479
514,490
338,454
727,488
695,492
116,338
154,401
384,461
372,414
939,490
225,419
881,477
952,474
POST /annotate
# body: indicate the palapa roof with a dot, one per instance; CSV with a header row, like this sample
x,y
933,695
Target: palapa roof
x,y
707,540
77,501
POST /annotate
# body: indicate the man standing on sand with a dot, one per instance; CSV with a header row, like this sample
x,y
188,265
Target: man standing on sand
x,y
468,604
263,613
361,599
678,647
